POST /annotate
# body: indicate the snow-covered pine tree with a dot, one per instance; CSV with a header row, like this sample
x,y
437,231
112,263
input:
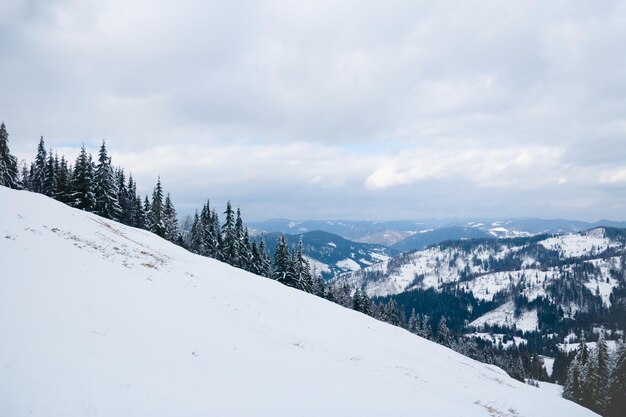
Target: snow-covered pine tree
x,y
50,176
282,263
425,330
356,300
8,163
245,251
444,336
414,322
209,230
590,383
124,198
156,220
302,270
319,287
38,169
239,232
146,212
229,237
366,303
601,358
170,220
576,375
196,244
265,264
105,189
82,196
616,392
255,262
203,238
217,242
573,387
391,313
64,182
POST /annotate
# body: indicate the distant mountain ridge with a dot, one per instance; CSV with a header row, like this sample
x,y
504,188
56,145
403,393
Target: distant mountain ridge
x,y
391,233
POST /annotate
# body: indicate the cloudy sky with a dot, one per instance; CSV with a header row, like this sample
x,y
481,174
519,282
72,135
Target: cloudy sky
x,y
333,109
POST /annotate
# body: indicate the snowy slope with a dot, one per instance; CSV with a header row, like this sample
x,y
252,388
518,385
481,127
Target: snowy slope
x,y
99,319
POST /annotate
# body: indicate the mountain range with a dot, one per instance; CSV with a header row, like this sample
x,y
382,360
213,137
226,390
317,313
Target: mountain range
x,y
421,233
551,286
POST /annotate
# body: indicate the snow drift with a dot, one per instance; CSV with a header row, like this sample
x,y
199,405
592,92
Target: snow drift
x,y
100,319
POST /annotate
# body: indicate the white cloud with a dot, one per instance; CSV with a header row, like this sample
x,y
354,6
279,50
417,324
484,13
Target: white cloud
x,y
615,176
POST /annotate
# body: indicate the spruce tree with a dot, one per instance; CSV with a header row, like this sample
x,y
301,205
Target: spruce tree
x,y
602,373
414,322
239,236
265,264
133,199
8,163
197,235
616,398
82,196
156,220
391,313
444,337
171,222
590,383
366,303
217,243
38,170
356,300
573,386
245,251
576,375
282,263
229,236
124,198
49,186
255,263
64,180
105,190
302,270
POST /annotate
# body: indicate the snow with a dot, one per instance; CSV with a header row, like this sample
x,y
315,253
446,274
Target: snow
x,y
554,389
577,244
348,264
332,245
505,316
486,286
99,319
379,256
498,339
570,347
318,267
548,363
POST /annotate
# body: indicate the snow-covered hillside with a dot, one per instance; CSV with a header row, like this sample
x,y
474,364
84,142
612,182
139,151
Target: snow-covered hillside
x,y
99,319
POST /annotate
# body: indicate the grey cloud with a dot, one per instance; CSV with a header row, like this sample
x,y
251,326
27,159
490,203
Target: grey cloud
x,y
348,88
